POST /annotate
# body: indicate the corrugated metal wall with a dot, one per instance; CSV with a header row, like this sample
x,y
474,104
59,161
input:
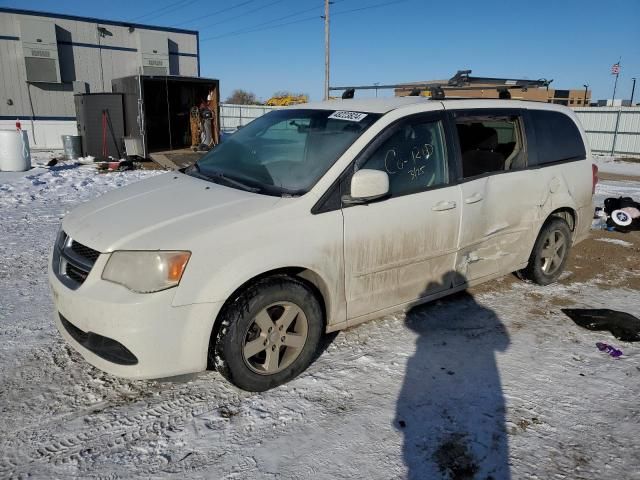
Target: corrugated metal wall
x,y
612,130
234,116
599,123
84,56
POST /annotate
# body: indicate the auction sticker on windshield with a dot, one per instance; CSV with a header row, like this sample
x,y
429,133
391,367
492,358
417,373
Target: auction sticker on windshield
x,y
349,116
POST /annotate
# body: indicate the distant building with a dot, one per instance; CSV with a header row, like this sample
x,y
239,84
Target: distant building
x,y
45,58
618,102
570,98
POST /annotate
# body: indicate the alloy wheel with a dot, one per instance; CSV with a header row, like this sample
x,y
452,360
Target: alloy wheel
x,y
275,338
553,252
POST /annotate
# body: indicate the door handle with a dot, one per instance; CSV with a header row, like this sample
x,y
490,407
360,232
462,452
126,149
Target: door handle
x,y
475,198
441,206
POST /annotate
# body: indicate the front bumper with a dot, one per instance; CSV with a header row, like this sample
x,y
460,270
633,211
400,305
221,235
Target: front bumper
x,y
165,340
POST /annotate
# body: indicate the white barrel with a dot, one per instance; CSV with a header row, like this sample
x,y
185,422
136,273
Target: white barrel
x,y
15,155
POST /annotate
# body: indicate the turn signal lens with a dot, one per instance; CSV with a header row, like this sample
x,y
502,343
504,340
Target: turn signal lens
x,y
176,265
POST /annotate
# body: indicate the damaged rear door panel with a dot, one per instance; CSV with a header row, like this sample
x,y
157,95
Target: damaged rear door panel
x,y
500,197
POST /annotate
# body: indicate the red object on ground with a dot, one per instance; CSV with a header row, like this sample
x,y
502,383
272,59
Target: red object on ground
x,y
594,170
105,147
18,125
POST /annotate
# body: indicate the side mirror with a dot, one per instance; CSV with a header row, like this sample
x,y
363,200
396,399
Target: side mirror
x,y
367,186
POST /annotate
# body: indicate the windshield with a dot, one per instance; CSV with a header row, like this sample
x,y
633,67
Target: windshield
x,y
284,151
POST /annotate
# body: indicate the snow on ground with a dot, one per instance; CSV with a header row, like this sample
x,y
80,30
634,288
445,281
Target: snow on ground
x,y
615,188
616,241
617,166
497,384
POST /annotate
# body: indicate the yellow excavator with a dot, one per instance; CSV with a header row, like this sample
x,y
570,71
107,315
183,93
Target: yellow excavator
x,y
286,100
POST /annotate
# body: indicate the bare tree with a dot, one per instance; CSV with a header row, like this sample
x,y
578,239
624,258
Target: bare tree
x,y
242,97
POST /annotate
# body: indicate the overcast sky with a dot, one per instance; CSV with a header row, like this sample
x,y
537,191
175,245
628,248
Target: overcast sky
x,y
269,45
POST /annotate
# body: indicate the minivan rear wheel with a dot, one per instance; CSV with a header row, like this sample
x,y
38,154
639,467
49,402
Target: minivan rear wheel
x,y
269,334
550,253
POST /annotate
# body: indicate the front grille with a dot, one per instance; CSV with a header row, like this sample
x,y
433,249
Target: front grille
x,y
72,261
75,274
84,251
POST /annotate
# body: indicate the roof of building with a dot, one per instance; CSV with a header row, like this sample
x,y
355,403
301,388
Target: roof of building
x,y
96,20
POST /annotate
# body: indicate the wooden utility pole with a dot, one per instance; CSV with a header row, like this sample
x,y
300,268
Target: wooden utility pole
x,y
326,49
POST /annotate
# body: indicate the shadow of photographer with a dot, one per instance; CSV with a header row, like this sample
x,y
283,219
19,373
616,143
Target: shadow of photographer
x,y
451,408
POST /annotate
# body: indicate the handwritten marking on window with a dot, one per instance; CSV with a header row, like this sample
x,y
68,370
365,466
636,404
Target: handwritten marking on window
x,y
394,163
415,172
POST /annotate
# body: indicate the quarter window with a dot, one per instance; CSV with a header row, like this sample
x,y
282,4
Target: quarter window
x,y
557,137
490,143
414,157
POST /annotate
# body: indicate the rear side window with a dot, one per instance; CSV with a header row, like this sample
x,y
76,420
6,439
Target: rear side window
x,y
490,142
557,137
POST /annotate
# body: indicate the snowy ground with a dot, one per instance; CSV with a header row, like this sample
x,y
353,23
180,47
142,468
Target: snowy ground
x,y
618,166
491,384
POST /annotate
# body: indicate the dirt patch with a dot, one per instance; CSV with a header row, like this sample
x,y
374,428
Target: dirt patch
x,y
561,302
618,177
611,264
503,283
455,460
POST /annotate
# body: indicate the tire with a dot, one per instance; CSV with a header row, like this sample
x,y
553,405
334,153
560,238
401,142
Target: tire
x,y
547,261
269,334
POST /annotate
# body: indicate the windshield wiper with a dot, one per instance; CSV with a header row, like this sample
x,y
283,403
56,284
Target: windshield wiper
x,y
219,177
233,182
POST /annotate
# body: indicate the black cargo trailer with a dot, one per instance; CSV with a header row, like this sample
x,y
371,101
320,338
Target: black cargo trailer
x,y
156,110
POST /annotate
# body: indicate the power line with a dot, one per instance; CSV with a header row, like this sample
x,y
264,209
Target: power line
x,y
166,9
265,26
253,28
258,26
240,32
383,4
241,15
200,17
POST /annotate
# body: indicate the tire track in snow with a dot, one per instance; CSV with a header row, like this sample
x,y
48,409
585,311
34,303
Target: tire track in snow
x,y
122,428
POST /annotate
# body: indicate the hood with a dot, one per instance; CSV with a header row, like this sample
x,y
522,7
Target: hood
x,y
163,212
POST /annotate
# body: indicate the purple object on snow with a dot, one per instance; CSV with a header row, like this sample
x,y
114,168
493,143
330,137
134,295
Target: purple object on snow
x,y
614,352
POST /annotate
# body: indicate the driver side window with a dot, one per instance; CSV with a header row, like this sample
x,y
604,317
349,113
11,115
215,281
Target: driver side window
x,y
414,157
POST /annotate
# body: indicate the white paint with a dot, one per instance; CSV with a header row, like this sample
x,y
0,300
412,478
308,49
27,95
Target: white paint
x,y
368,184
44,134
364,259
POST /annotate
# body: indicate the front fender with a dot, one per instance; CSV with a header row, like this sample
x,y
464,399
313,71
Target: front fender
x,y
218,267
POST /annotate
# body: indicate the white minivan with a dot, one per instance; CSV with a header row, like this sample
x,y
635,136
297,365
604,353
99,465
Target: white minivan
x,y
312,219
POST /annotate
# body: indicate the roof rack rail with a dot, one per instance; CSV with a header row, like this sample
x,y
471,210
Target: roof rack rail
x,y
460,81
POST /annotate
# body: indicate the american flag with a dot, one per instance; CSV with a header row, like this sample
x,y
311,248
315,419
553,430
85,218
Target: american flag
x,y
615,69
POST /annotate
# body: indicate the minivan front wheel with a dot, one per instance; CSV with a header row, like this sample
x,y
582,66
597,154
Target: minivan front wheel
x,y
269,334
550,253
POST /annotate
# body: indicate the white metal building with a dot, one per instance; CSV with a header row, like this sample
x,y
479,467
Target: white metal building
x,y
45,58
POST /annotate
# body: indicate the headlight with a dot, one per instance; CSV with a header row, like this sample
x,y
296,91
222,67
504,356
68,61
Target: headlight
x,y
146,272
